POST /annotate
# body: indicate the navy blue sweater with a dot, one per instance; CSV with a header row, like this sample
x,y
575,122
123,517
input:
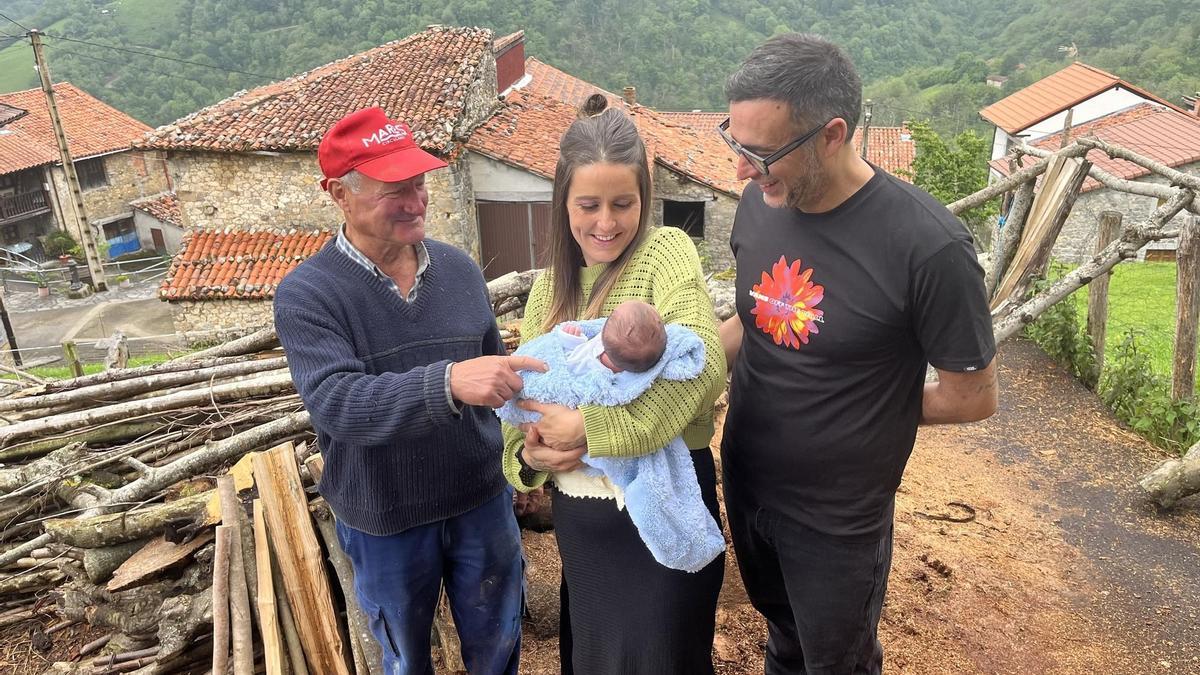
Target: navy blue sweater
x,y
371,371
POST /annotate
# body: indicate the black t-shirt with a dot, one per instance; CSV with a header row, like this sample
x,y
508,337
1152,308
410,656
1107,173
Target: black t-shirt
x,y
840,312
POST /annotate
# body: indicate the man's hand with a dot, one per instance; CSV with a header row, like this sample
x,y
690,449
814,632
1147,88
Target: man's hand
x,y
540,457
490,380
560,427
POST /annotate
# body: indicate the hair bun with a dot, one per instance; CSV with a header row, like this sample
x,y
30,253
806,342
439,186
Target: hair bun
x,y
594,105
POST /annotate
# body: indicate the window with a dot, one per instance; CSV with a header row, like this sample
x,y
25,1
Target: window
x,y
687,216
91,173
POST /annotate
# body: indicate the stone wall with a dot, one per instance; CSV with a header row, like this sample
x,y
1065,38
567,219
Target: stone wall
x,y
221,315
131,176
718,214
1077,241
260,191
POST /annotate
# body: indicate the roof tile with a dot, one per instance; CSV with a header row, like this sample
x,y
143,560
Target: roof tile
x,y
163,206
205,266
92,128
422,79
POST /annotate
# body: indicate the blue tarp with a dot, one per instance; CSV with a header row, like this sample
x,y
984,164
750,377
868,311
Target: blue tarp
x,y
126,243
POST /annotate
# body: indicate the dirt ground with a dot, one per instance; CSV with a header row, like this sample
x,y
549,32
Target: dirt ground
x,y
1061,566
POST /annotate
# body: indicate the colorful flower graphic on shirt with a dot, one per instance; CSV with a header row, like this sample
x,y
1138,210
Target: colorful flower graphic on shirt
x,y
785,304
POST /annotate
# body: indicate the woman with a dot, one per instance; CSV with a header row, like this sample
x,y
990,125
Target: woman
x,y
622,613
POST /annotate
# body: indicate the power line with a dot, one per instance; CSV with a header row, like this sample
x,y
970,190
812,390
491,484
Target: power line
x,y
119,65
165,58
16,22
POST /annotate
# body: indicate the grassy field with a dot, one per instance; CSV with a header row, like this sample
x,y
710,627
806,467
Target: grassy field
x,y
1141,297
62,372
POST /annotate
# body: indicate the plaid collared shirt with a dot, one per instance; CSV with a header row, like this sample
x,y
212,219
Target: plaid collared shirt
x,y
344,245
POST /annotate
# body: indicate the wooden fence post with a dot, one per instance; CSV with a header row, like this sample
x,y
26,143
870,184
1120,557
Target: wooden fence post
x,y
1097,313
71,354
1187,309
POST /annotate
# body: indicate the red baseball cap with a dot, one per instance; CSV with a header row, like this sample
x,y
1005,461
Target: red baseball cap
x,y
374,145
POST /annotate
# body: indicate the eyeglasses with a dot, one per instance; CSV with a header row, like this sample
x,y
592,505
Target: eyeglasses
x,y
758,162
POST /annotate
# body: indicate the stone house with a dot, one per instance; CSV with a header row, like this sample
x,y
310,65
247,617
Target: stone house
x,y
1083,92
512,158
34,200
248,164
1155,131
158,222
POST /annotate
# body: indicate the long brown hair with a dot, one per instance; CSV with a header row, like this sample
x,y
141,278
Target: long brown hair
x,y
600,135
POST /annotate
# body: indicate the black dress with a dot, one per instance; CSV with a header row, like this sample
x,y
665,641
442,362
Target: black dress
x,y
622,612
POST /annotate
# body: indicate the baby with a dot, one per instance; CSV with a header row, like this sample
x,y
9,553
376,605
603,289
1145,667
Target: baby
x,y
633,339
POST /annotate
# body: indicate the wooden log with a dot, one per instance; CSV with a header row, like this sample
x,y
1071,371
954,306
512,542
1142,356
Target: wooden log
x,y
108,392
258,341
1005,246
45,387
94,436
1187,310
71,355
287,620
100,563
300,560
1174,479
268,616
1011,182
17,477
263,385
1133,237
153,559
1097,315
220,592
116,528
24,581
239,596
1047,215
368,657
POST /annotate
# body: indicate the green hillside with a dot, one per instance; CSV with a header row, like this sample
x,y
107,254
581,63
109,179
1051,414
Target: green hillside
x,y
919,58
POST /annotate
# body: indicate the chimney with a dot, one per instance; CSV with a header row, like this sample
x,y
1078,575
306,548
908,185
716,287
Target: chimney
x,y
510,61
630,95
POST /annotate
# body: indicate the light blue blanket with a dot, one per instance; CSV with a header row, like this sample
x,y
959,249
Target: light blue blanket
x,y
661,490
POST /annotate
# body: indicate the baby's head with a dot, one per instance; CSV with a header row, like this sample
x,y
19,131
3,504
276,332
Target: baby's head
x,y
634,337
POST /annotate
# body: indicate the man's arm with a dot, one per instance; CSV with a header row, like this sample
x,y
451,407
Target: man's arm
x,y
730,331
960,397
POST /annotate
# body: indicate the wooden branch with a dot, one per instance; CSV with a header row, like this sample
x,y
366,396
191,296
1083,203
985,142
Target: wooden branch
x,y
239,596
124,389
300,560
1111,182
92,436
1133,238
263,385
54,386
1001,186
21,374
1174,479
100,563
1005,248
52,464
268,616
368,657
1177,178
258,341
287,616
15,583
220,591
116,528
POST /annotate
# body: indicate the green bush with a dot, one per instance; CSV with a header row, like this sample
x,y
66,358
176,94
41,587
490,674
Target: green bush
x,y
1061,334
1142,399
60,242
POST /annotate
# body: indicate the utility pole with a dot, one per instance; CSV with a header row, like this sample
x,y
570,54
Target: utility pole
x,y
83,227
866,127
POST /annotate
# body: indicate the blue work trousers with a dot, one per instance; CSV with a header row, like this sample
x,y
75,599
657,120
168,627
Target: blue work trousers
x,y
478,557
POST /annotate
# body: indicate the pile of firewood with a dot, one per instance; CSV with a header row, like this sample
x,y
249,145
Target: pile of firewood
x,y
173,507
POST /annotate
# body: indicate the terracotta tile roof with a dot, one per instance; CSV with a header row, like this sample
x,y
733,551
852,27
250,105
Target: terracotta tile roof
x,y
890,148
422,79
163,206
553,83
92,128
1153,131
700,121
236,265
525,132
10,113
1053,94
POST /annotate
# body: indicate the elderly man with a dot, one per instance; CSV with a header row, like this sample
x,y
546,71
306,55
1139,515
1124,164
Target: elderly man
x,y
394,349
848,282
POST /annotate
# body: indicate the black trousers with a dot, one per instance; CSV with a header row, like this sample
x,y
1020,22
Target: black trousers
x,y
821,594
622,612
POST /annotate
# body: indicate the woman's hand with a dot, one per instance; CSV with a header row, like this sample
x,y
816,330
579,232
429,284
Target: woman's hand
x,y
560,427
541,457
